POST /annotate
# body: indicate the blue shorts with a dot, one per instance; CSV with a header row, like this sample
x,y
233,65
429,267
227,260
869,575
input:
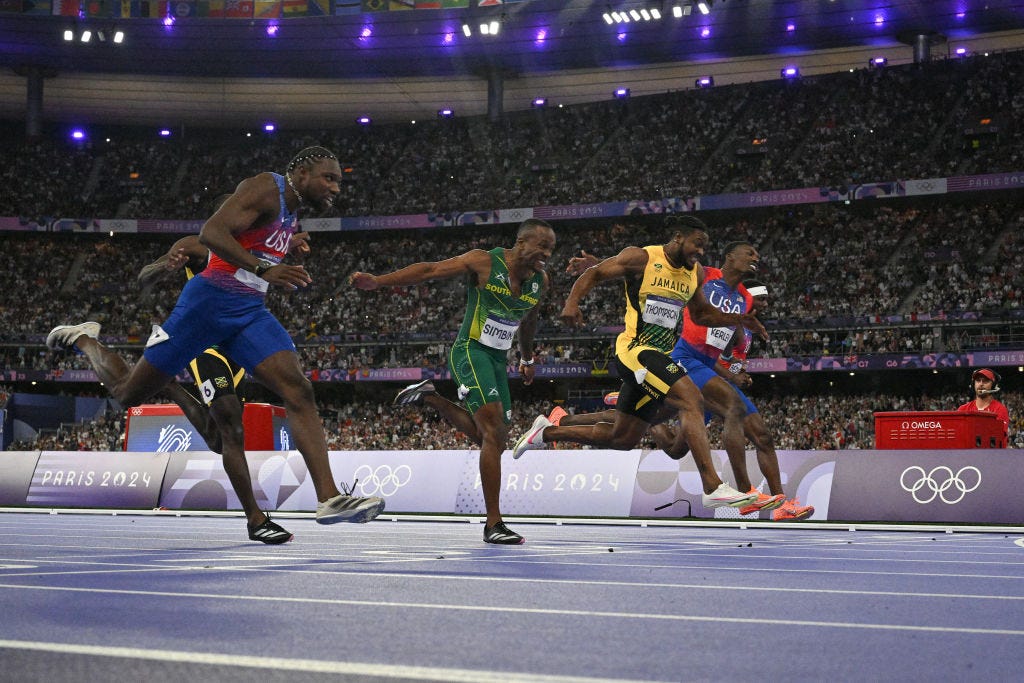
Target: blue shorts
x,y
700,369
240,326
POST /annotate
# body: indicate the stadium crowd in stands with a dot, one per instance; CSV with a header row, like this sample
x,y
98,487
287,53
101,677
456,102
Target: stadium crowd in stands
x,y
832,131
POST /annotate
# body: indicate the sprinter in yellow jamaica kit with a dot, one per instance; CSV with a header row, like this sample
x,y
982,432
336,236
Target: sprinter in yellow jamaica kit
x,y
505,287
660,280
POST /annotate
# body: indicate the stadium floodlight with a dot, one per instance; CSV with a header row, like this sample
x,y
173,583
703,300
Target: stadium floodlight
x,y
646,14
705,82
677,12
78,134
69,35
961,51
165,132
485,29
269,127
495,27
466,30
790,72
655,13
364,120
539,102
446,113
621,93
118,37
878,62
636,15
704,6
607,18
86,36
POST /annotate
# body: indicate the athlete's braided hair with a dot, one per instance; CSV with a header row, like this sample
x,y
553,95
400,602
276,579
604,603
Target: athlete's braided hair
x,y
309,156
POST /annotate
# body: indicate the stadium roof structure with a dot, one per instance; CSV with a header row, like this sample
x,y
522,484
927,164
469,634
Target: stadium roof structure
x,y
543,47
535,36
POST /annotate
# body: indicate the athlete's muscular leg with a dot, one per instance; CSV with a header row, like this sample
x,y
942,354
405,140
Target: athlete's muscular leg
x,y
586,419
684,396
129,386
282,373
623,434
723,400
490,424
227,414
456,416
767,460
196,413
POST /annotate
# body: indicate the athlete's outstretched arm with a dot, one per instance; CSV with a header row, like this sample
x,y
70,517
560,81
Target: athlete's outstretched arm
x,y
527,328
178,256
629,261
476,261
703,313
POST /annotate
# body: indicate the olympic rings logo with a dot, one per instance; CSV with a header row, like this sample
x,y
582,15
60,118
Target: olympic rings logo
x,y
383,479
941,483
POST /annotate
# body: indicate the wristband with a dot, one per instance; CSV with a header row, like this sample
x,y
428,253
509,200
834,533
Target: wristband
x,y
736,368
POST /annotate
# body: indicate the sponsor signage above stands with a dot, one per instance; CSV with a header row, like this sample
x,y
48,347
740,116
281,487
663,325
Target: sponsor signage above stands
x,y
633,207
850,362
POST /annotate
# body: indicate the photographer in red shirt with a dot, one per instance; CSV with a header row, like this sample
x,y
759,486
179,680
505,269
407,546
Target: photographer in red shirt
x,y
986,383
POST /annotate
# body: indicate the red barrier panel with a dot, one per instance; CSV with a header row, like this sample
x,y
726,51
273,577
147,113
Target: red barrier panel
x,y
164,427
939,429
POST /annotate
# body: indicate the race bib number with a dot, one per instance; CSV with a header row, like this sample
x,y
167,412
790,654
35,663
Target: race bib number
x,y
208,392
718,337
498,333
251,280
661,311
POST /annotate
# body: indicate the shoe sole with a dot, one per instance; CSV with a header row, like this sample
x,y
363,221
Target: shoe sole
x,y
359,515
267,541
517,452
54,345
403,396
793,518
769,504
521,541
730,502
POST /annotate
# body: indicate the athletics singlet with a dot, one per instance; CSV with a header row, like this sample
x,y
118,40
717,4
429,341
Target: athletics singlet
x,y
493,313
268,242
710,341
654,307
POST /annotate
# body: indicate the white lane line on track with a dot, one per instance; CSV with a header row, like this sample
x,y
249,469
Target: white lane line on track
x,y
462,578
418,673
288,565
491,609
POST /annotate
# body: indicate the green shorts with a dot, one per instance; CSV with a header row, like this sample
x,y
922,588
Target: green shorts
x,y
482,376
